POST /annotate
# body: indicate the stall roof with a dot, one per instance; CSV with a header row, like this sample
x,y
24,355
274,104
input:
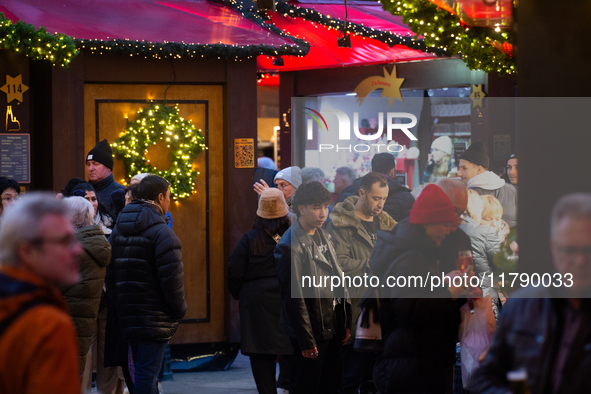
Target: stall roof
x,y
324,51
157,21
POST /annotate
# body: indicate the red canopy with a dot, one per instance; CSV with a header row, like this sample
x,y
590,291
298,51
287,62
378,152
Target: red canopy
x,y
325,52
180,21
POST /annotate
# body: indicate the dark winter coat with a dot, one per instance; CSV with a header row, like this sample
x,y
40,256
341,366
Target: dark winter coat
x,y
399,201
419,333
252,280
528,334
450,248
145,277
104,188
308,314
84,297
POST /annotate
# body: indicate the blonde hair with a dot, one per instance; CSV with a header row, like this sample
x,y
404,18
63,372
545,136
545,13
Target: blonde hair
x,y
475,205
491,207
440,171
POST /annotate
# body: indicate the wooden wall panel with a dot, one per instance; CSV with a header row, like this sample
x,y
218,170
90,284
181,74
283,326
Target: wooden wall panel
x,y
198,220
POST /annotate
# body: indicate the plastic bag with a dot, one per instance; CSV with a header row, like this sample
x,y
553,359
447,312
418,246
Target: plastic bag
x,y
476,331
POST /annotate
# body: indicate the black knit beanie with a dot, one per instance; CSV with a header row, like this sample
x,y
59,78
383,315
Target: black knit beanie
x,y
102,153
476,154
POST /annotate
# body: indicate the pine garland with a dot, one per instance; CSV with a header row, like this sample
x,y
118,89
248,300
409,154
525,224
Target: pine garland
x,y
444,30
386,37
22,37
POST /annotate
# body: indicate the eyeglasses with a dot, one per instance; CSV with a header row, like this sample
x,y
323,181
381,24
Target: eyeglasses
x,y
67,241
571,252
8,200
282,186
461,214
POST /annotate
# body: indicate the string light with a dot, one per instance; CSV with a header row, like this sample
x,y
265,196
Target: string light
x,y
481,48
160,123
36,44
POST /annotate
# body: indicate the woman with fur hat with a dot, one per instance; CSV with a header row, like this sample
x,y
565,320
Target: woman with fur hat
x,y
252,280
419,324
439,161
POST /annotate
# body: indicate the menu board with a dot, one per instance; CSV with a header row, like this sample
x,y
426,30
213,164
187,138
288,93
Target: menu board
x,y
15,158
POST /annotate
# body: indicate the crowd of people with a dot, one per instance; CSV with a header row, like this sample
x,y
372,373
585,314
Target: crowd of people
x,y
96,273
91,281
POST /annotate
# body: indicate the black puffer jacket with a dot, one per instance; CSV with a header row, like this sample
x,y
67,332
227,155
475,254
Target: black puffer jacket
x,y
419,333
399,201
85,296
145,277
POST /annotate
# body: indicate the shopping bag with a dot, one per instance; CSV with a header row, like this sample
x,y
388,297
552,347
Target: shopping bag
x,y
476,330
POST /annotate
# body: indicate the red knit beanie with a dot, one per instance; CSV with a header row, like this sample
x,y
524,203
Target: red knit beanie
x,y
432,206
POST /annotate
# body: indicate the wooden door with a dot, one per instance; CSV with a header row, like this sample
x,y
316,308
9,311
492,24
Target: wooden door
x,y
198,220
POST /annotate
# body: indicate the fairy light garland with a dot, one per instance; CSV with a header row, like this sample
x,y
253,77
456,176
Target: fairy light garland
x,y
222,51
386,37
445,30
161,123
37,44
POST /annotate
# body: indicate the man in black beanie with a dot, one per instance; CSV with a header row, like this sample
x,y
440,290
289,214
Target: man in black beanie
x,y
474,163
99,165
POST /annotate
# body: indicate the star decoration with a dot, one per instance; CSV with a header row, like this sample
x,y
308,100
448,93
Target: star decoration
x,y
14,88
389,83
477,95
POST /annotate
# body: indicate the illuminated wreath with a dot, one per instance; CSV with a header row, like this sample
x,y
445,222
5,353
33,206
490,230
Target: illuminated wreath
x,y
161,123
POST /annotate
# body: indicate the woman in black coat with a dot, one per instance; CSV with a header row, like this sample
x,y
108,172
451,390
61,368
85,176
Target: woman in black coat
x,y
419,325
252,280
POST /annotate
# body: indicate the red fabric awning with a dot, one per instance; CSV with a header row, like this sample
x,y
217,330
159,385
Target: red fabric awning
x,y
325,52
158,21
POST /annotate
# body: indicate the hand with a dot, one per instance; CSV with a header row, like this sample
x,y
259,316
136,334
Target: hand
x,y
473,292
310,353
456,291
429,158
59,196
347,336
260,186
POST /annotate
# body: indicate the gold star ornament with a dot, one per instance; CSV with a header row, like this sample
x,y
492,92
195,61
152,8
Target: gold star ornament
x,y
477,95
14,88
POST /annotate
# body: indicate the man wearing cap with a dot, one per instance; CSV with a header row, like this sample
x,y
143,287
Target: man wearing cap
x,y
99,166
287,180
473,170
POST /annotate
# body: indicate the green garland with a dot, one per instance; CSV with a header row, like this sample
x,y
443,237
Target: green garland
x,y
385,37
444,30
161,123
22,37
224,51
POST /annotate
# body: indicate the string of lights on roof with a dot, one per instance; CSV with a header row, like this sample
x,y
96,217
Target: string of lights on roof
x,y
22,37
386,37
481,48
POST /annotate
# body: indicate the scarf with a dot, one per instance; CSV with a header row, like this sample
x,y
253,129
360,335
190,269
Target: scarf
x,y
152,204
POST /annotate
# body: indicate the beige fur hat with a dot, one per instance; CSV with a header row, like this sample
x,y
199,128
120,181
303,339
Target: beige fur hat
x,y
272,204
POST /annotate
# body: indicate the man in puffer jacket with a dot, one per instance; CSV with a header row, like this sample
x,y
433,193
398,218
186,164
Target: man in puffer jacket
x,y
84,297
145,278
474,163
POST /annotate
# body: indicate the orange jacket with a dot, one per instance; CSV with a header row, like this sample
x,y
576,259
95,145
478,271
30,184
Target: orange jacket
x,y
38,351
